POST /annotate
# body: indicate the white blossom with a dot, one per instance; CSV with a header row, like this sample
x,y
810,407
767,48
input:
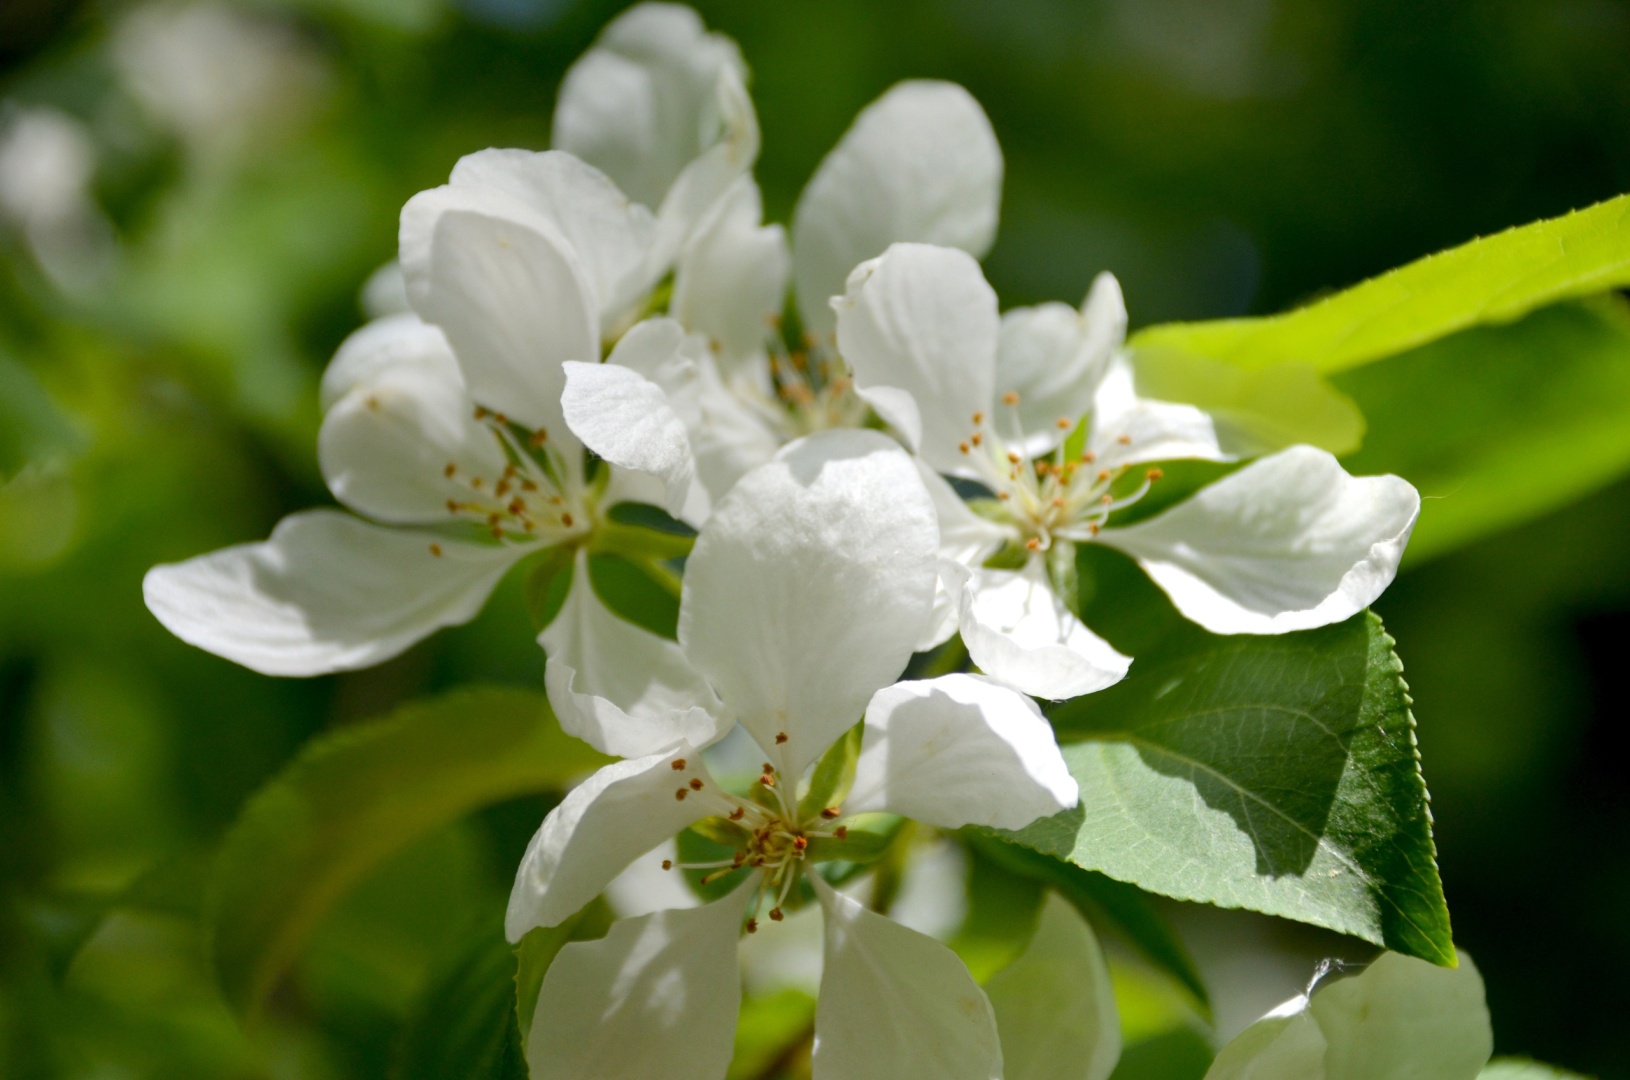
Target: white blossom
x,y
1288,542
803,598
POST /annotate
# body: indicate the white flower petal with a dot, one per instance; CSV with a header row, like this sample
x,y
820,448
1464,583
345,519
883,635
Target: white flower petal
x,y
384,447
1053,357
732,275
1284,1045
921,164
606,822
1055,1007
1286,543
1152,430
1020,631
729,436
385,292
959,750
511,300
388,342
1404,1019
922,320
327,592
733,144
965,539
656,997
809,587
627,420
896,1004
618,687
611,236
654,95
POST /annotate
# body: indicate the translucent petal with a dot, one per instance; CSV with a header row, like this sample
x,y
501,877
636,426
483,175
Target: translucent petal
x,y
1286,543
1020,631
896,1004
511,300
626,419
959,750
919,164
922,320
620,688
327,592
618,814
732,275
1405,1019
966,539
1055,1007
388,342
385,446
655,999
809,586
1152,430
1053,357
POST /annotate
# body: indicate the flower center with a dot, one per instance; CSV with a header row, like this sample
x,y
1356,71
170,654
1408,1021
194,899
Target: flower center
x,y
816,392
769,834
534,497
1051,496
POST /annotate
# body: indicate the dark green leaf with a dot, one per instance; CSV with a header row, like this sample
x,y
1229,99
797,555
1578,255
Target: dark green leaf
x,y
355,797
464,1027
1176,1055
640,594
1492,280
1278,774
1500,425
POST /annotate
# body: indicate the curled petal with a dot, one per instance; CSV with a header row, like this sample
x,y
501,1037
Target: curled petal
x,y
627,420
959,750
1053,357
1055,1007
611,236
896,1004
921,321
919,164
1018,630
656,997
325,593
808,588
511,299
620,688
390,342
618,814
403,442
1404,1018
1286,543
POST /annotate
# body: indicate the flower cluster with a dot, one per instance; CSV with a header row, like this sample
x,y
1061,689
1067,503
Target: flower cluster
x,y
885,463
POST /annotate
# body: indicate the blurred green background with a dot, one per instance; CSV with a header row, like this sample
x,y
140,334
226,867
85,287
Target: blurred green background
x,y
225,185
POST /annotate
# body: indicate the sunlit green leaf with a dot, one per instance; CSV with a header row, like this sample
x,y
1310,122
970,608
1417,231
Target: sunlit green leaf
x,y
355,797
1278,774
1492,280
1496,426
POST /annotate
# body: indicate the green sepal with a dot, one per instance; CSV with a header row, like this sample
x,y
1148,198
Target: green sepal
x,y
869,836
548,580
833,776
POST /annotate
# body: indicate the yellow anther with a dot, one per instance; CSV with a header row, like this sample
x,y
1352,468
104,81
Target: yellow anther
x,y
841,832
1124,440
435,549
978,418
449,470
738,813
566,520
963,447
667,864
977,439
780,737
1154,474
681,793
776,915
1010,398
830,812
695,784
678,764
1064,423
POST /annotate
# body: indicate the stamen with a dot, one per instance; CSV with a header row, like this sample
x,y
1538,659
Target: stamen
x,y
539,437
695,784
776,915
435,549
780,737
1010,398
830,812
841,832
681,793
1153,474
566,520
1124,440
449,470
678,764
752,926
739,813
667,864
1064,423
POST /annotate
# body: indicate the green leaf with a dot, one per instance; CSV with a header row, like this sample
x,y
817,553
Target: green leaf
x,y
548,581
1496,426
464,1027
645,595
1277,773
1259,410
1520,1069
1183,1054
1108,904
538,950
356,796
1492,280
